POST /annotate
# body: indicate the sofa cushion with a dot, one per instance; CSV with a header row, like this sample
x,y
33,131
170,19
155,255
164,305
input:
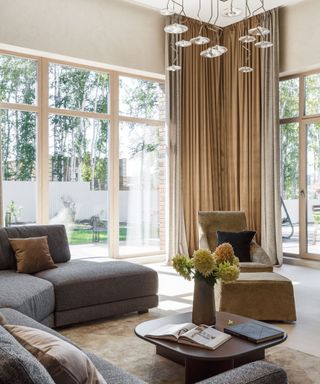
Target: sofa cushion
x,y
111,373
27,294
258,372
17,365
65,363
82,283
32,254
255,267
57,238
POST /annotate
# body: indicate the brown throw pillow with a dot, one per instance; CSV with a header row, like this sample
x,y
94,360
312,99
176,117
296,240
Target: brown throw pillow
x,y
32,254
66,363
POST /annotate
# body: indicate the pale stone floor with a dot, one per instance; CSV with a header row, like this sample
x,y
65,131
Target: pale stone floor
x,y
304,335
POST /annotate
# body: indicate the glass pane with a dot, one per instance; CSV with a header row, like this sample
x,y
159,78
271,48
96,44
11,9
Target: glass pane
x,y
78,89
312,94
289,141
78,187
142,189
313,187
141,98
18,145
289,98
18,80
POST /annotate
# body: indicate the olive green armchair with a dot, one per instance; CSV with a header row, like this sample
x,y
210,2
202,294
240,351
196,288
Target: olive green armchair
x,y
231,221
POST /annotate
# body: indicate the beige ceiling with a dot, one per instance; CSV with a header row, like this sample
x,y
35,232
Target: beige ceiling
x,y
192,6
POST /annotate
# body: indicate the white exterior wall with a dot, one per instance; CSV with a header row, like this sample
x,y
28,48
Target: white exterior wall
x,y
87,203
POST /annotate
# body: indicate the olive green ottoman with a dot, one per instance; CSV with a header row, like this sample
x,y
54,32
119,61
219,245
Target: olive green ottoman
x,y
261,296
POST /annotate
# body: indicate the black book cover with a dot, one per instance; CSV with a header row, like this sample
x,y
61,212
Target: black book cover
x,y
255,332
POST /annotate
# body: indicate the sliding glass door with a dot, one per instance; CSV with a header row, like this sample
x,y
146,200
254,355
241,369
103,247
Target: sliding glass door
x,y
300,165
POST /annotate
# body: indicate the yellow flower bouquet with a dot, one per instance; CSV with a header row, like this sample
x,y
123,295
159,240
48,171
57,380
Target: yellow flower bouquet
x,y
209,266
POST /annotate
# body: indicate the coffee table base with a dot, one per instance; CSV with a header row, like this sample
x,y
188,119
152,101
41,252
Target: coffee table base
x,y
197,370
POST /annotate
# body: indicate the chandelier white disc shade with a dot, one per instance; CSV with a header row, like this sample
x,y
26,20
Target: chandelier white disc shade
x,y
257,34
215,51
200,40
264,44
183,43
232,12
247,39
245,69
259,31
175,28
174,68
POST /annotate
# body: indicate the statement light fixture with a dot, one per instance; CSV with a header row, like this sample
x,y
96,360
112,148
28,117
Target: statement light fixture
x,y
176,9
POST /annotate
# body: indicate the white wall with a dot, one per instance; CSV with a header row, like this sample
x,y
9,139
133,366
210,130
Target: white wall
x,y
293,209
114,32
87,203
299,37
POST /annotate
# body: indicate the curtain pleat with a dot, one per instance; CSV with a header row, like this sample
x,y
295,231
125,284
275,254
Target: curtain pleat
x,y
271,239
242,113
177,241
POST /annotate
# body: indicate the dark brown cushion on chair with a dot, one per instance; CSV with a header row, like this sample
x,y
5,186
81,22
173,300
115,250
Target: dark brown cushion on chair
x,y
240,242
32,254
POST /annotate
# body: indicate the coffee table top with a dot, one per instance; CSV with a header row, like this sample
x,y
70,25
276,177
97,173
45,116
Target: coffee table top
x,y
233,348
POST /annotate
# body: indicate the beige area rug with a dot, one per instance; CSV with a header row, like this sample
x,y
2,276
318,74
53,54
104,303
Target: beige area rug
x,y
114,340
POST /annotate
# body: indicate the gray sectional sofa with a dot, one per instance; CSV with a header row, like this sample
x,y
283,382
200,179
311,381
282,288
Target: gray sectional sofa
x,y
76,291
82,290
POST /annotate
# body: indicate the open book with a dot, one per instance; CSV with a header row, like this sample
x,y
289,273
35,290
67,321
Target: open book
x,y
201,336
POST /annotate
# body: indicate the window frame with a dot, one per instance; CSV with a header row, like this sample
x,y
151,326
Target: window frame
x,y
43,111
303,120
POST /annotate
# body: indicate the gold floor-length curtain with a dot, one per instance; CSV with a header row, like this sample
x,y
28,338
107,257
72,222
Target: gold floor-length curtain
x,y
201,160
240,125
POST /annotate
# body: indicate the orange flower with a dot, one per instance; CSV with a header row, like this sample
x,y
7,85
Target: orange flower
x,y
224,252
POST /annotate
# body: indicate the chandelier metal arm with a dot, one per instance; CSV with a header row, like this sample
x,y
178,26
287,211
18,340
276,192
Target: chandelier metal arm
x,y
211,14
259,8
216,28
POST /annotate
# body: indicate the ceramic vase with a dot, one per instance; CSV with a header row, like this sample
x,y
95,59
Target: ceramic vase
x,y
204,309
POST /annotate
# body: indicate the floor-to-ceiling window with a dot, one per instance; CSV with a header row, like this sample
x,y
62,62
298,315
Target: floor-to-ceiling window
x,y
19,119
84,147
300,164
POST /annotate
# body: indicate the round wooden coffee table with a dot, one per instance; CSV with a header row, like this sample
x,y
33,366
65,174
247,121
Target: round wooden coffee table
x,y
201,363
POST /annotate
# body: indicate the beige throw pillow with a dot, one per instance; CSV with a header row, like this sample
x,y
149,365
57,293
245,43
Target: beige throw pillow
x,y
65,363
32,254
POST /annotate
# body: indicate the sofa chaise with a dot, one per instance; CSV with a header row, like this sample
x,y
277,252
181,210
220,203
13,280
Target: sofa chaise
x,y
76,291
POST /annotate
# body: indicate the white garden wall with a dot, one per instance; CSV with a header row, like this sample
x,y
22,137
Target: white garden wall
x,y
87,203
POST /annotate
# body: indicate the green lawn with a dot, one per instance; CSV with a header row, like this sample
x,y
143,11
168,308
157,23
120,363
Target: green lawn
x,y
85,236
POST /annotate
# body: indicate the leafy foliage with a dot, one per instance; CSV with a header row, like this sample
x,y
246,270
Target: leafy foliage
x,y
289,134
